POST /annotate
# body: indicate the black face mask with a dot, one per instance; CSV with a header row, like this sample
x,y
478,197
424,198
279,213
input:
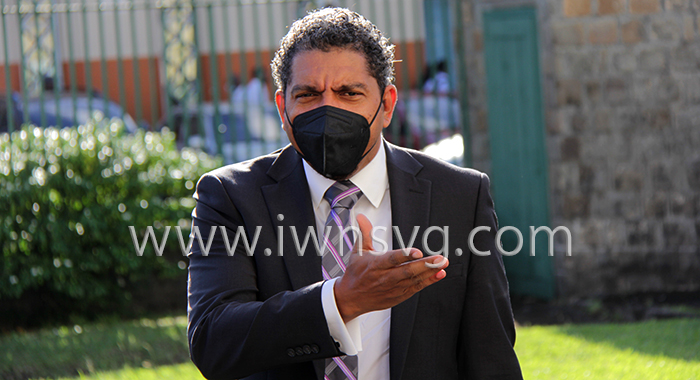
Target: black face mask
x,y
332,140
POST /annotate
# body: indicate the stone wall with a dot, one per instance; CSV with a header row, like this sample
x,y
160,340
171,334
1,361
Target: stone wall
x,y
621,87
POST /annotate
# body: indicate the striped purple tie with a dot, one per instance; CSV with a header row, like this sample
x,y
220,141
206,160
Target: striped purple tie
x,y
337,246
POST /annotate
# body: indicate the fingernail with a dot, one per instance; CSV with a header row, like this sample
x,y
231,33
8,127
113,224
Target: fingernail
x,y
441,274
439,262
416,255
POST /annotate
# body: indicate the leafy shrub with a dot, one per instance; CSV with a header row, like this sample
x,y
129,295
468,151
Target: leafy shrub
x,y
67,198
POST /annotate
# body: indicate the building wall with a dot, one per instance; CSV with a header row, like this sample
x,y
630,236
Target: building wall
x,y
621,88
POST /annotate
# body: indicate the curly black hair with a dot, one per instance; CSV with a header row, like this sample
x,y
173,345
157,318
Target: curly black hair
x,y
329,28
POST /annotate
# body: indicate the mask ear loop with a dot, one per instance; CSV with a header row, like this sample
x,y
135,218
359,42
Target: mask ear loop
x,y
291,126
375,114
287,115
370,124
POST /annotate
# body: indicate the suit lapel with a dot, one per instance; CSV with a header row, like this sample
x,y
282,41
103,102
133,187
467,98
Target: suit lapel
x,y
410,206
290,198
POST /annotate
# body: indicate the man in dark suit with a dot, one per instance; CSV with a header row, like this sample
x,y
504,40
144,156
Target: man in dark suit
x,y
279,307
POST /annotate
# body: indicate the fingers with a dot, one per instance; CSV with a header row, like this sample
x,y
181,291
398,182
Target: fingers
x,y
383,281
417,269
397,257
366,231
436,263
419,275
420,267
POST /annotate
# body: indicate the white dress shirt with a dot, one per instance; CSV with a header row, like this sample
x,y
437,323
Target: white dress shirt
x,y
366,336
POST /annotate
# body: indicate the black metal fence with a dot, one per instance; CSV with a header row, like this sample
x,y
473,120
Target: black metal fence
x,y
201,68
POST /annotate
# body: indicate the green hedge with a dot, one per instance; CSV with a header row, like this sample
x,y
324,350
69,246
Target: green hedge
x,y
67,197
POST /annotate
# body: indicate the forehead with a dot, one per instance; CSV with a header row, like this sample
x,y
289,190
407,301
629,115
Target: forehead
x,y
335,66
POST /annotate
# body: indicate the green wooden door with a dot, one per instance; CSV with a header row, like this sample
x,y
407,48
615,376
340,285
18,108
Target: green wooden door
x,y
519,164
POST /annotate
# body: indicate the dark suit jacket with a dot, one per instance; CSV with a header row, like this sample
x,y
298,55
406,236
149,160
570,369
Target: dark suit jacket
x,y
260,315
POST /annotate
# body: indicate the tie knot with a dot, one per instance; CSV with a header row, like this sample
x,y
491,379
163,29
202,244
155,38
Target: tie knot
x,y
343,194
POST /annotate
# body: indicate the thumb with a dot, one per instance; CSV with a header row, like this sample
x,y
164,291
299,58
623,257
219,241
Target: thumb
x,y
365,242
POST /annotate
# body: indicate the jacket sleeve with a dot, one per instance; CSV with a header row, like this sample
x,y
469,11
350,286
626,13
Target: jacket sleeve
x,y
487,335
231,332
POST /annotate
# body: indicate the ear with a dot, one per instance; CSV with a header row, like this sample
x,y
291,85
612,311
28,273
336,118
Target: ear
x,y
389,102
279,102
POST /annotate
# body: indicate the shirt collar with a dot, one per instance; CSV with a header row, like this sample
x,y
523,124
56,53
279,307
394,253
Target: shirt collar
x,y
367,180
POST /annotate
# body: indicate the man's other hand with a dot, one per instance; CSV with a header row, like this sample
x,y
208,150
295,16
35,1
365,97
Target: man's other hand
x,y
375,281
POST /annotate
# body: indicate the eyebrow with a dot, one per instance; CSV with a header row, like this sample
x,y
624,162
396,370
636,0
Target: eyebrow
x,y
303,87
351,86
342,88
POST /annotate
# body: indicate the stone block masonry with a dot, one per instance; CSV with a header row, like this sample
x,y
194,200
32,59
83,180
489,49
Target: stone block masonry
x,y
644,6
621,88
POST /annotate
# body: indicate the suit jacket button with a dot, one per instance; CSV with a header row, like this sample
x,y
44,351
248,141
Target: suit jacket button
x,y
314,349
291,353
307,349
299,351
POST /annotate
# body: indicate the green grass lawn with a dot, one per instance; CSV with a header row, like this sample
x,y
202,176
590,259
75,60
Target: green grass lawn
x,y
185,371
648,350
93,348
157,349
